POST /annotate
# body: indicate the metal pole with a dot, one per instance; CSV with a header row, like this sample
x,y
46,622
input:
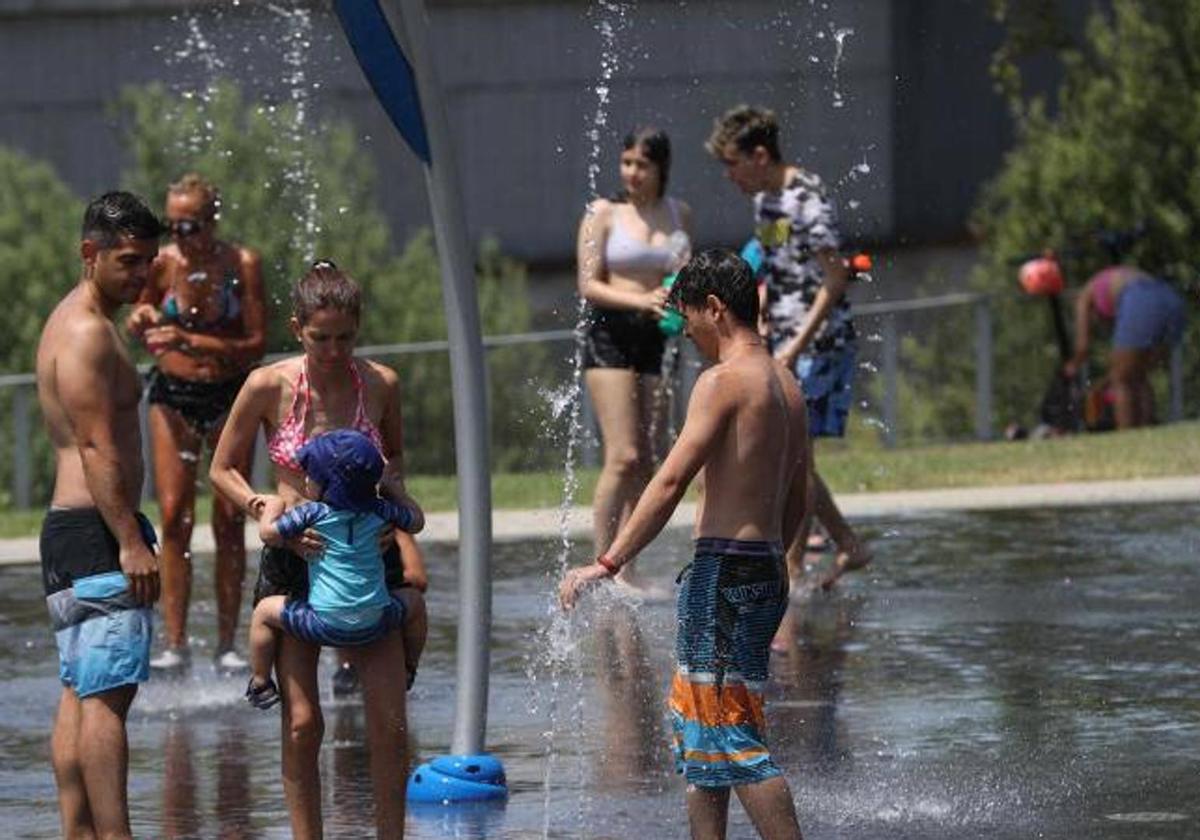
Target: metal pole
x,y
148,488
891,380
983,369
1177,382
468,386
22,467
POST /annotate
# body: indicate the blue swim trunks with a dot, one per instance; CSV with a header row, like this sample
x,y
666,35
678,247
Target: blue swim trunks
x,y
731,600
827,380
103,636
1150,313
300,620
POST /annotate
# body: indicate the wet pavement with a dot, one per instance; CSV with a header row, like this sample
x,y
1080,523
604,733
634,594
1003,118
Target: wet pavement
x,y
1014,674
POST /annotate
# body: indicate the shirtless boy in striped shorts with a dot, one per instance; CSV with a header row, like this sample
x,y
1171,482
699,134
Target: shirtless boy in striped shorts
x,y
746,427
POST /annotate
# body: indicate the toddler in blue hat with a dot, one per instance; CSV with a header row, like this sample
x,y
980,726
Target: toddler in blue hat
x,y
348,600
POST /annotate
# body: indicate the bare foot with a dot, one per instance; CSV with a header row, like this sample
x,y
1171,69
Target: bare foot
x,y
846,561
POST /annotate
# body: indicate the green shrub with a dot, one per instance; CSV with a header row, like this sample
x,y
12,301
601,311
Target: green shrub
x,y
1120,149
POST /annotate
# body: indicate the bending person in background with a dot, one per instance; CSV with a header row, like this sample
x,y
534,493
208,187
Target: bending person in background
x,y
292,401
626,247
203,317
803,295
1147,318
98,564
746,428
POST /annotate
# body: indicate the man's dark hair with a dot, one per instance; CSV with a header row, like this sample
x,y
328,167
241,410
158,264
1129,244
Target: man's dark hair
x,y
746,128
117,214
723,274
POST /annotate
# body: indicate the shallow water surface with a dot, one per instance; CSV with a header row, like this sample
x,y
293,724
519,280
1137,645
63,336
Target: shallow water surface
x,y
1016,674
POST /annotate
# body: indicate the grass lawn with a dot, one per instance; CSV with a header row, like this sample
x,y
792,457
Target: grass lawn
x,y
857,466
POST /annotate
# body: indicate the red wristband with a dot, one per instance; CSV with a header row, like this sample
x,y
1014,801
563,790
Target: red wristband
x,y
608,565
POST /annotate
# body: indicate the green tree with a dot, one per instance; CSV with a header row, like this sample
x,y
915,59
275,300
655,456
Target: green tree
x,y
39,252
39,263
1118,149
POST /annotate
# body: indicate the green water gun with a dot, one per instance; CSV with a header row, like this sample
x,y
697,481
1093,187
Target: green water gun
x,y
671,323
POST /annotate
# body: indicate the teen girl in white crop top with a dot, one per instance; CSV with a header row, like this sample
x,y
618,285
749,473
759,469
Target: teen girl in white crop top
x,y
626,247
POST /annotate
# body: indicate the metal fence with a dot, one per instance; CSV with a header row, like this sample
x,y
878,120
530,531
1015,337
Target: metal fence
x,y
541,376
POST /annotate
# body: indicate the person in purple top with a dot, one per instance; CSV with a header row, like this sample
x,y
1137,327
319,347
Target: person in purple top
x,y
348,601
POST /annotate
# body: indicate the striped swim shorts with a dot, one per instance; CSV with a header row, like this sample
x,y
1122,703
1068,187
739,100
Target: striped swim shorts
x,y
731,600
300,620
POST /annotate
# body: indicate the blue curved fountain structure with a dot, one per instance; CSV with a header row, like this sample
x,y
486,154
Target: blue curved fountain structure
x,y
395,58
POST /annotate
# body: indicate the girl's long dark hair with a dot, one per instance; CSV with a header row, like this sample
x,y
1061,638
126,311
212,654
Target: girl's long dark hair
x,y
656,145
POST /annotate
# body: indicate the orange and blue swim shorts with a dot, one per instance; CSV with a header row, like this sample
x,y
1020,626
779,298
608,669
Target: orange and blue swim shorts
x,y
731,600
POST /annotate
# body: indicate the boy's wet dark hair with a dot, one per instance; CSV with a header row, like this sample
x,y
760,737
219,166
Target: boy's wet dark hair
x,y
119,214
746,128
656,146
723,274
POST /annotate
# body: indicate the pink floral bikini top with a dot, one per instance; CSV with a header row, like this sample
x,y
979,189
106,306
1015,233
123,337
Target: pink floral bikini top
x,y
287,439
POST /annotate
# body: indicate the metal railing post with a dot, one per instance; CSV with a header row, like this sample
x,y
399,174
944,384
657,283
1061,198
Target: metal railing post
x,y
589,433
983,369
147,450
891,380
1177,382
22,444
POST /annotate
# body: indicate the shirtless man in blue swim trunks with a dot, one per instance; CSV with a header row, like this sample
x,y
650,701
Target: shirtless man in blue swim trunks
x,y
747,428
803,295
98,564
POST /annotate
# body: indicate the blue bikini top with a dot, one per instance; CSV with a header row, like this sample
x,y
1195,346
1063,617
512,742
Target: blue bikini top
x,y
228,314
623,253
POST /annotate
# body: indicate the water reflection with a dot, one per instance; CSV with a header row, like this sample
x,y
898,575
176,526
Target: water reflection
x,y
183,813
634,753
807,672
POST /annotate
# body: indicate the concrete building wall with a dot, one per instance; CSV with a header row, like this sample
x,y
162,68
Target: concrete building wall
x,y
520,82
917,130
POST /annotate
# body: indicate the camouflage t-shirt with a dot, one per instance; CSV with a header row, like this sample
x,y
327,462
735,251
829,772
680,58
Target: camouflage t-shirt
x,y
793,225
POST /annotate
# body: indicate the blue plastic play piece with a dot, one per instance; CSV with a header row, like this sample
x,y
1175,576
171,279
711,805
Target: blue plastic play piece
x,y
458,778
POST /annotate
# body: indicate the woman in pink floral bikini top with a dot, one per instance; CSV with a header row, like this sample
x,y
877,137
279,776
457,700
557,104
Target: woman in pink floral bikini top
x,y
289,436
326,307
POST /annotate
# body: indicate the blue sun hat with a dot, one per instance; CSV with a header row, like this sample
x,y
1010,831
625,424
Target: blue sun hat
x,y
347,466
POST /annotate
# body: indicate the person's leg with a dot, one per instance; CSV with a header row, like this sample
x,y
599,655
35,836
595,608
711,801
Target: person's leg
x,y
1127,372
384,706
770,807
264,628
176,449
416,626
229,533
708,812
73,809
104,759
302,730
852,553
623,475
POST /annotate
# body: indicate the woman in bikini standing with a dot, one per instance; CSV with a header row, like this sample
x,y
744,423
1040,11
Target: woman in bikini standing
x,y
292,400
203,317
626,247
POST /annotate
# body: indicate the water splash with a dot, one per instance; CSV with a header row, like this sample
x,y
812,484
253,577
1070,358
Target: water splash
x,y
556,669
839,40
298,175
199,50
